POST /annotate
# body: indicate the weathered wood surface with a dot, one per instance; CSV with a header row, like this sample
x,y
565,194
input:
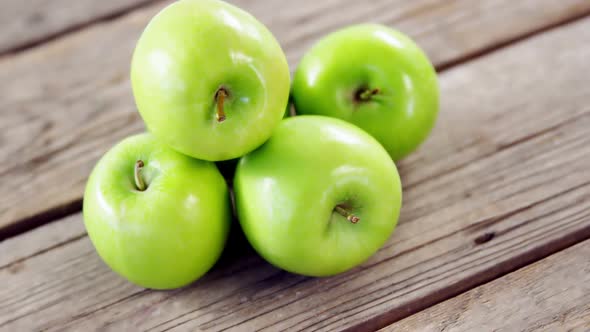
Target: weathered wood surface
x,y
63,104
503,181
27,23
40,240
550,295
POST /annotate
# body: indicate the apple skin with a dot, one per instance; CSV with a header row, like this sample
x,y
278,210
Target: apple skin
x,y
287,189
190,50
168,235
371,56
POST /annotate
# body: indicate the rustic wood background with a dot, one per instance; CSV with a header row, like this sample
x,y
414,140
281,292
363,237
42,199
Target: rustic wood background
x,y
496,218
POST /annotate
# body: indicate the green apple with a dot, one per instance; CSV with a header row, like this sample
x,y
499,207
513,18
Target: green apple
x,y
209,80
319,197
374,77
155,216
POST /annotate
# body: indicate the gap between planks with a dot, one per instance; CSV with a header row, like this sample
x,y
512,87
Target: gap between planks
x,y
548,295
60,32
503,44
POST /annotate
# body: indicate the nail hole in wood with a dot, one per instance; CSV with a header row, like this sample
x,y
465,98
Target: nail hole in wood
x,y
485,237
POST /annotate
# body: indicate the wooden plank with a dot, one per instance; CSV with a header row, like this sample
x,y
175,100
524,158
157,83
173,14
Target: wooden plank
x,y
68,101
550,295
24,24
516,191
39,240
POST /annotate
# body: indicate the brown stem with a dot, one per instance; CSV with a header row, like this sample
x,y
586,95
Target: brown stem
x,y
349,216
139,184
366,94
220,97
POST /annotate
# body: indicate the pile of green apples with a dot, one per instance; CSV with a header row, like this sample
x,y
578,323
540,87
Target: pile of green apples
x,y
315,194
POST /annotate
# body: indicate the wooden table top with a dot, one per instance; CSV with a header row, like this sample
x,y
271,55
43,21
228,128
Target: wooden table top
x,y
494,232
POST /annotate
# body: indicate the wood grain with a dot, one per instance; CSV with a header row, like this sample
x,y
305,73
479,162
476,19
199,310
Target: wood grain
x,y
504,181
68,101
24,24
39,240
550,295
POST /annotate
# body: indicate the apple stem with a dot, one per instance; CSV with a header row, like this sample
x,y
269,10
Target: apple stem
x,y
139,184
366,94
349,216
220,97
